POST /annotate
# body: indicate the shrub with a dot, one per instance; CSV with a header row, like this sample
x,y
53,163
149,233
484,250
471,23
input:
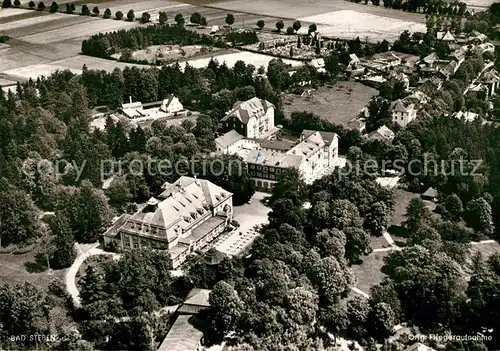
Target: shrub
x,y
119,15
107,13
53,7
260,24
289,30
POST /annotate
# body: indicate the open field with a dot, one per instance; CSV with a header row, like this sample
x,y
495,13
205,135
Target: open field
x,y
369,272
338,104
13,270
74,64
348,24
230,59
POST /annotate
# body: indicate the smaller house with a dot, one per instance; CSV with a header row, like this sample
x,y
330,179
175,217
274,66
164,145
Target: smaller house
x,y
214,29
171,105
382,134
403,112
319,64
357,124
491,80
229,143
477,37
430,194
196,301
353,62
446,37
485,47
466,116
450,69
133,109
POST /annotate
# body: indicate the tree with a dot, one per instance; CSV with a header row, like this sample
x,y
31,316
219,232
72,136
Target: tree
x,y
63,253
229,19
381,321
85,11
107,13
280,25
260,24
6,4
145,17
119,194
289,31
32,4
179,19
69,8
296,26
41,6
312,28
53,7
130,15
195,18
93,286
277,74
357,243
454,207
225,310
416,215
478,216
18,218
119,15
17,3
89,212
203,21
162,17
377,218
95,11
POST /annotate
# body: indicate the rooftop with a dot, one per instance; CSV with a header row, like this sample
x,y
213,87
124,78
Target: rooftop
x,y
185,203
245,110
183,335
382,134
282,145
272,158
229,138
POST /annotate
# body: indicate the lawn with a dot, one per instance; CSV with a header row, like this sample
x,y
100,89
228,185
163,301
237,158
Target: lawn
x,y
339,104
17,268
369,272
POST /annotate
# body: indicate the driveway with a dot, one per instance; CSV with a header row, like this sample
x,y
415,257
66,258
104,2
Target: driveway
x,y
248,216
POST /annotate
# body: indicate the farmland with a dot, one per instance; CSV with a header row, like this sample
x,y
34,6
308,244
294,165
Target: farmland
x,y
42,42
338,104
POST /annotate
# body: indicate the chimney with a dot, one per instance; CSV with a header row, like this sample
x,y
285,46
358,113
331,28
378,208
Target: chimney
x,y
130,98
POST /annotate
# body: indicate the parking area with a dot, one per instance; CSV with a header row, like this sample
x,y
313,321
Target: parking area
x,y
250,217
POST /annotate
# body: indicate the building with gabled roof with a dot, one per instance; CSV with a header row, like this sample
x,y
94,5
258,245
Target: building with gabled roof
x,y
383,134
445,36
187,215
229,143
403,112
491,80
253,118
171,104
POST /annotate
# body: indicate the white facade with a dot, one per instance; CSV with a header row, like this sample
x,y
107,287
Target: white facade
x,y
171,105
402,114
260,125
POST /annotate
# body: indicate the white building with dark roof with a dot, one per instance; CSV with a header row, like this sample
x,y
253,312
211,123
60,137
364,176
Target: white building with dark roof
x,y
403,112
253,118
171,105
188,215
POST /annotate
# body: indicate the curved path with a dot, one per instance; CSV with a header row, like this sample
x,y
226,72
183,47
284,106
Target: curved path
x,y
70,277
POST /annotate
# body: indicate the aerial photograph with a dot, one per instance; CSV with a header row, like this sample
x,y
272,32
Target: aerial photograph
x,y
234,175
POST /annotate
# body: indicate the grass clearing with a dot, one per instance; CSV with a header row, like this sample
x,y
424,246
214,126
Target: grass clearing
x,y
339,104
15,269
369,272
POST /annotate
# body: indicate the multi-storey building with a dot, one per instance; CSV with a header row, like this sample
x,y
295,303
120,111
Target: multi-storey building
x,y
403,112
253,118
188,215
315,154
